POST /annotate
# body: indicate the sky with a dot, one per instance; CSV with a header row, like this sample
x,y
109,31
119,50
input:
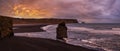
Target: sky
x,y
100,11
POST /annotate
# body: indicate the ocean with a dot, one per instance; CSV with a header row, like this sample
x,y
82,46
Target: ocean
x,y
101,37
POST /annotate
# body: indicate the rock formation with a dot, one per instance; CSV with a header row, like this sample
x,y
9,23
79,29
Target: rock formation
x,y
6,27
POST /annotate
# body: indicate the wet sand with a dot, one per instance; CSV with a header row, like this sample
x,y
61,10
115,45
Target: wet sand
x,y
36,44
28,28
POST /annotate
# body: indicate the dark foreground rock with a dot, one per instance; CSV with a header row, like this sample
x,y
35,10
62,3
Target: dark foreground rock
x,y
5,27
36,44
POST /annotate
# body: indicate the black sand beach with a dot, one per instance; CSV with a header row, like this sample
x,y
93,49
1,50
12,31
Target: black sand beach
x,y
17,43
36,44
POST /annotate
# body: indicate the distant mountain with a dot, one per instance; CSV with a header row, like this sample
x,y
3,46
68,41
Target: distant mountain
x,y
41,21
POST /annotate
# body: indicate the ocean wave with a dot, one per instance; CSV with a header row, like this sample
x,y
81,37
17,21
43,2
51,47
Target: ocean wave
x,y
101,40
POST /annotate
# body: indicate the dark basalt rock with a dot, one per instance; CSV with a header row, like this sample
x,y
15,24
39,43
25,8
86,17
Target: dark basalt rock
x,y
43,21
6,27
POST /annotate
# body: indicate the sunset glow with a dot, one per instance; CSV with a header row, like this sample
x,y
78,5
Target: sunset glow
x,y
22,10
83,10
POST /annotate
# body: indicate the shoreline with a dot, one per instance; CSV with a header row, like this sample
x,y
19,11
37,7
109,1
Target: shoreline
x,y
28,28
37,28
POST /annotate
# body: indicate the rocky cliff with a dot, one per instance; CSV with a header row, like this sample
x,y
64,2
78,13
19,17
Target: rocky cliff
x,y
6,26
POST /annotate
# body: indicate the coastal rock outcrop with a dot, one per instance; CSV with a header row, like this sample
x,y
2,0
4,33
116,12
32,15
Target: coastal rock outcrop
x,y
6,27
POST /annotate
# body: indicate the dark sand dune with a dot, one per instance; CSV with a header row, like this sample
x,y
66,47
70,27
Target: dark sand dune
x,y
36,44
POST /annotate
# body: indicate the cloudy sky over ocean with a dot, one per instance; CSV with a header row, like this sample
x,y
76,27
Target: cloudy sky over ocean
x,y
83,10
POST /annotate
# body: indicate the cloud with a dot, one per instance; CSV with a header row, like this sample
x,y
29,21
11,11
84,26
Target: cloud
x,y
85,10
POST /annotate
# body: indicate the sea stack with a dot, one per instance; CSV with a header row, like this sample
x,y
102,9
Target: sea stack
x,y
61,31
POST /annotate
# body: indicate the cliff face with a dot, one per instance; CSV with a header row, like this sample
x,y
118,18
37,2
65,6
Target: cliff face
x,y
5,26
43,21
